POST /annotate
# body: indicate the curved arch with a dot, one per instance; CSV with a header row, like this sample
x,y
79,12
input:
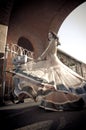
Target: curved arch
x,y
31,43
53,21
25,43
60,16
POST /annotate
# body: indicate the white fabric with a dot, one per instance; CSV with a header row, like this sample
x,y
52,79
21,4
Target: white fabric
x,y
20,59
52,69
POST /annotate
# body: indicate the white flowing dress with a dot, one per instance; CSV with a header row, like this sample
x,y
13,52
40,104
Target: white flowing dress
x,y
51,71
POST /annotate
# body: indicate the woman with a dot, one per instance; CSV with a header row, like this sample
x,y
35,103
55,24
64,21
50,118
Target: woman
x,y
49,68
57,79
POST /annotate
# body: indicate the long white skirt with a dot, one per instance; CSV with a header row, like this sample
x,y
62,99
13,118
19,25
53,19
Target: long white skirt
x,y
54,72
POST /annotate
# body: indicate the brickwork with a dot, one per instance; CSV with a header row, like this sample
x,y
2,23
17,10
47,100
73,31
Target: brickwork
x,y
33,20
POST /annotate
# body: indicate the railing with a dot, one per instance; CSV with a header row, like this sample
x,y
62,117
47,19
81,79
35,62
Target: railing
x,y
14,50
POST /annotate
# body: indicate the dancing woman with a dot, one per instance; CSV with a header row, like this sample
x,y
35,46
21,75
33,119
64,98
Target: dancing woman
x,y
49,68
55,78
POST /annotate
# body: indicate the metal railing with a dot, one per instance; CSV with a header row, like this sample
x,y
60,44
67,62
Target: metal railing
x,y
14,50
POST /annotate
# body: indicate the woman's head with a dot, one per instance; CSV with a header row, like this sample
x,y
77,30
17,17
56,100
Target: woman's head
x,y
53,36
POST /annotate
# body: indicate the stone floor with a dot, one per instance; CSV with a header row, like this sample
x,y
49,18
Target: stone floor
x,y
28,116
42,125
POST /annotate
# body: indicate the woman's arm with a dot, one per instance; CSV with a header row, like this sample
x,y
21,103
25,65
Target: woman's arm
x,y
53,42
46,52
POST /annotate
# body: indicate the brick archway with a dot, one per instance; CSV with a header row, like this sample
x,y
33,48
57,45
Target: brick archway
x,y
25,43
36,19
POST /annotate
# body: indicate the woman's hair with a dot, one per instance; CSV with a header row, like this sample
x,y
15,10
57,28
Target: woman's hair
x,y
53,35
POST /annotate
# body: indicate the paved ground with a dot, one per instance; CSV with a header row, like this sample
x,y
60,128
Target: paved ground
x,y
29,116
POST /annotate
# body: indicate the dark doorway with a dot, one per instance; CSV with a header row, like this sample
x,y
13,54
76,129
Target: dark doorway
x,y
25,43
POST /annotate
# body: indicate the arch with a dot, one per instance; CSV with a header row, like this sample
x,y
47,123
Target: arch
x,y
54,13
61,15
25,43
